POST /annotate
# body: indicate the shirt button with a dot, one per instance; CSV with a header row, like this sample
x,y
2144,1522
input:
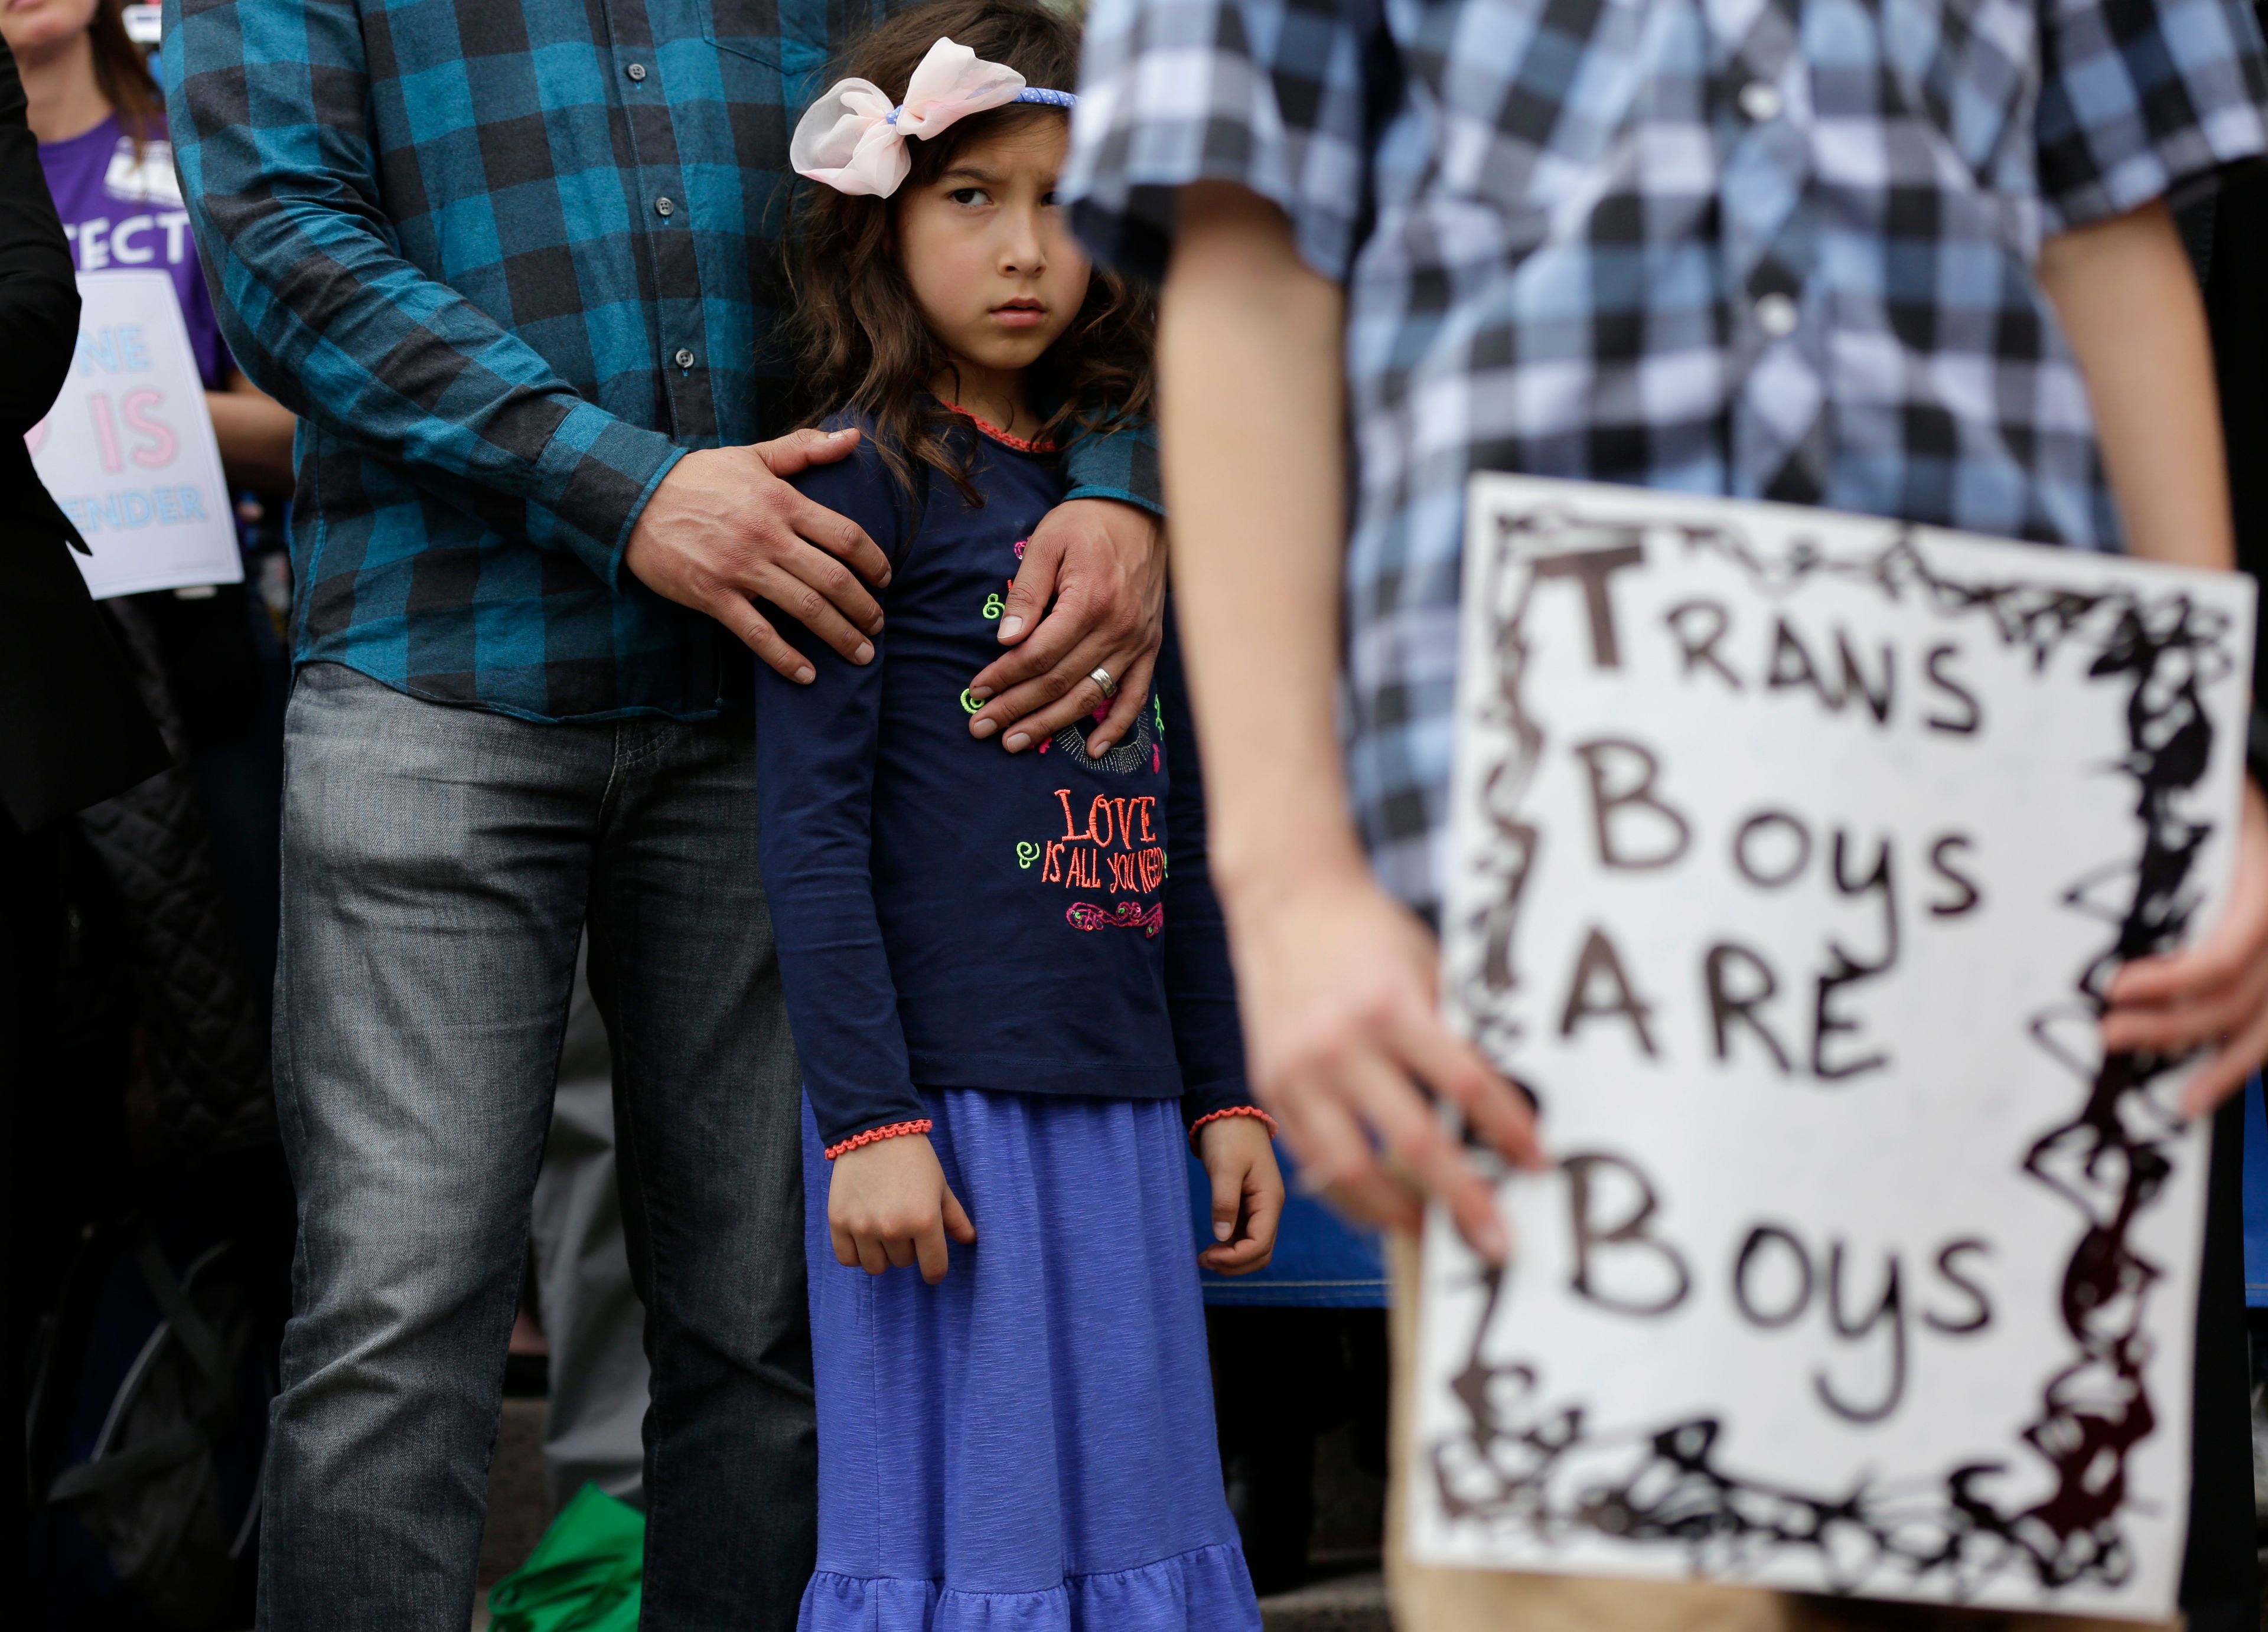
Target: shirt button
x,y
684,358
1776,315
664,205
1760,101
636,72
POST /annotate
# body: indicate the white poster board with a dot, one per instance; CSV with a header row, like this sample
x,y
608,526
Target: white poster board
x,y
1791,850
127,449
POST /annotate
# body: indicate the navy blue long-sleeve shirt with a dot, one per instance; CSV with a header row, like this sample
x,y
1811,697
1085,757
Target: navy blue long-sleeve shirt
x,y
951,915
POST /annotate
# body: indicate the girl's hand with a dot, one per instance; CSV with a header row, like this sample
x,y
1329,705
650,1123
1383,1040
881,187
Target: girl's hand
x,y
888,1204
2215,991
1247,1193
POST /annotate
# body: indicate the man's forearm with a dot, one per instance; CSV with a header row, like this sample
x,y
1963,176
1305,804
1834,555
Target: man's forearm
x,y
2129,305
1252,385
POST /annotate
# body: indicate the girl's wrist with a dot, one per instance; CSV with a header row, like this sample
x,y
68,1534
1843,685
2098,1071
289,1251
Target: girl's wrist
x,y
874,1136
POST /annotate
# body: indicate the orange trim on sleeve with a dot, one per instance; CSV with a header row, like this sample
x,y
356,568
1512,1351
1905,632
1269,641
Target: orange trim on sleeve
x,y
874,1135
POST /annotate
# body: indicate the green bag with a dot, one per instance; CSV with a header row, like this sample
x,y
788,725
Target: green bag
x,y
587,1575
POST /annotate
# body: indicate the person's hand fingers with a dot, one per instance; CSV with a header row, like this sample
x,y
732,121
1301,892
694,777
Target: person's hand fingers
x,y
1228,1176
958,1225
1034,586
1078,619
1133,697
2189,1025
2227,1071
846,1247
1460,1073
1254,1245
755,632
809,568
1242,1256
871,1255
900,1251
1389,1102
1042,671
1264,1208
929,1250
800,449
1337,1162
2238,941
799,599
846,542
1037,709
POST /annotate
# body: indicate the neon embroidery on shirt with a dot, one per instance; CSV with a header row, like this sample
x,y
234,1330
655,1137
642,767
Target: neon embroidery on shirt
x,y
1125,915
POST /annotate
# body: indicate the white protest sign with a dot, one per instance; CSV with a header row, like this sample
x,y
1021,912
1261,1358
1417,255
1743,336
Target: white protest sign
x,y
127,449
1791,853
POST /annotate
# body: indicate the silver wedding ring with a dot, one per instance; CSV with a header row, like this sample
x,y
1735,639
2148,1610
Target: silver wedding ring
x,y
1101,677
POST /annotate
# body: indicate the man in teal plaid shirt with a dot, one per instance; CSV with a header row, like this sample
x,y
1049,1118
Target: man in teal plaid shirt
x,y
510,262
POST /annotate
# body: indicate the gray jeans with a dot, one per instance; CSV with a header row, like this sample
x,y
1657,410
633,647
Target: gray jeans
x,y
438,866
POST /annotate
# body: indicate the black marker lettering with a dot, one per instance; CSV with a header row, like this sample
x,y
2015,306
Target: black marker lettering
x,y
1629,1235
1760,1238
1878,882
1982,1315
1791,666
1726,1006
1970,895
1703,650
1746,837
1634,798
1854,680
1598,962
1825,1022
1889,1308
1593,568
1972,713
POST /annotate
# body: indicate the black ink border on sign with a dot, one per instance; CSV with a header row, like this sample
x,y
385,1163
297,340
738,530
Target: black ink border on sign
x,y
1519,1460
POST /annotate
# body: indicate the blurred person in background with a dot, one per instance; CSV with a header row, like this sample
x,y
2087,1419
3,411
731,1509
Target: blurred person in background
x,y
71,729
159,1184
100,119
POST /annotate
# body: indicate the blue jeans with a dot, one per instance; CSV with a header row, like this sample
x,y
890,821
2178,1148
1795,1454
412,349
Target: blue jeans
x,y
439,864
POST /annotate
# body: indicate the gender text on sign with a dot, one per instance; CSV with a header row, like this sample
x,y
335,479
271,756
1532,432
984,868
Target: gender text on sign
x,y
1792,851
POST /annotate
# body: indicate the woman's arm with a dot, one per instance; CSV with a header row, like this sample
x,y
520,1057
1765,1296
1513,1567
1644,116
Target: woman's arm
x,y
2129,305
1338,984
254,432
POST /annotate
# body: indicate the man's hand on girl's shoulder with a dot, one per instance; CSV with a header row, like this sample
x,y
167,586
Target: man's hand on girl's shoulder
x,y
1102,564
725,529
889,1206
1247,1193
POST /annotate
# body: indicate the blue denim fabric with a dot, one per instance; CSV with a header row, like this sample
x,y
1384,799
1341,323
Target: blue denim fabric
x,y
439,865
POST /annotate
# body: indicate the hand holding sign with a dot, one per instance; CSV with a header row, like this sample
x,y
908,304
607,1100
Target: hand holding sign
x,y
127,449
1794,854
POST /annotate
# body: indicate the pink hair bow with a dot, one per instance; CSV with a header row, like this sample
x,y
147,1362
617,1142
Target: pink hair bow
x,y
854,139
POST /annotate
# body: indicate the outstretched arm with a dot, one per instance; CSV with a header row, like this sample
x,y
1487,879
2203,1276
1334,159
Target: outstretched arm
x,y
2130,306
1338,983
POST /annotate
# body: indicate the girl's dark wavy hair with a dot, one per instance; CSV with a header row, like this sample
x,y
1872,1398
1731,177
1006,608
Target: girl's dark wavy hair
x,y
859,339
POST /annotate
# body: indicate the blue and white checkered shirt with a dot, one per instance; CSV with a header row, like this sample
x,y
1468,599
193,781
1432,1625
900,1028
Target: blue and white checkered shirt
x,y
508,259
1775,249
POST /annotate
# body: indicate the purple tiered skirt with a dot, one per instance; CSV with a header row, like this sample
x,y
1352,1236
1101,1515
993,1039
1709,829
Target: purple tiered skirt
x,y
1026,1446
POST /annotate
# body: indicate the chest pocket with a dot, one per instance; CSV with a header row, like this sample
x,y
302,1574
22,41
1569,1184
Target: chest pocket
x,y
785,42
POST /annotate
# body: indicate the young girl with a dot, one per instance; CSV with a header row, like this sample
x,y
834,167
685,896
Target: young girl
x,y
1006,974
